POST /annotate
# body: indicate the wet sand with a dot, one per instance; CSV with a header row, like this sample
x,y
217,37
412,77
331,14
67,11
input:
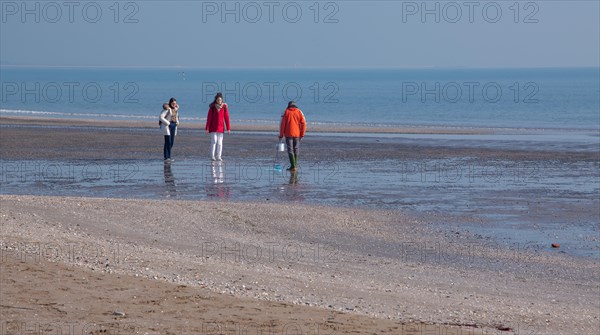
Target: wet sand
x,y
63,139
524,191
195,266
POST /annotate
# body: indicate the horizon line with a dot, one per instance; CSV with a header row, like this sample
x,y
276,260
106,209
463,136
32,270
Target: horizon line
x,y
167,67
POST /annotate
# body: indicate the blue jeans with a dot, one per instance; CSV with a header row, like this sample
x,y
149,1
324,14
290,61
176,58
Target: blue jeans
x,y
169,141
167,147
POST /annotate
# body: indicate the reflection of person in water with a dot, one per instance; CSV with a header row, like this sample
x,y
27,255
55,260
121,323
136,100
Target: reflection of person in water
x,y
169,181
293,177
293,191
218,187
217,172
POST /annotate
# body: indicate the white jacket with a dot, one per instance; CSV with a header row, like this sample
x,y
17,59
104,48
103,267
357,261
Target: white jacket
x,y
165,116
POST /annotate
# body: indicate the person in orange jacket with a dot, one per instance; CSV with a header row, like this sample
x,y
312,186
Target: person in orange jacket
x,y
293,127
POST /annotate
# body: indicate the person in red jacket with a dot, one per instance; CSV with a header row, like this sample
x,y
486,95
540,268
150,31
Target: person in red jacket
x,y
293,127
216,121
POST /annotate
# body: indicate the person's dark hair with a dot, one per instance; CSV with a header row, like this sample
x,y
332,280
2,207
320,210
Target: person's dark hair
x,y
171,101
291,104
217,96
214,103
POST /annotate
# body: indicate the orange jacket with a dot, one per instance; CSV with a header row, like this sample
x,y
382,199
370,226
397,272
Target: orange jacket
x,y
293,123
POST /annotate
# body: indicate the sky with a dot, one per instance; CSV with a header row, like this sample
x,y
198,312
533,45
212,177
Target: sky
x,y
301,34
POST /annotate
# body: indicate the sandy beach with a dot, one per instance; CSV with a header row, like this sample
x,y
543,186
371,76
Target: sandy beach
x,y
151,266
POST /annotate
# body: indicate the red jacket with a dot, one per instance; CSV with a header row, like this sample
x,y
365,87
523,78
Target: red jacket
x,y
293,123
216,120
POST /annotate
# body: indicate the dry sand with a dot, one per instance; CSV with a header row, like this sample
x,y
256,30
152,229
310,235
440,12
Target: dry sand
x,y
46,297
183,258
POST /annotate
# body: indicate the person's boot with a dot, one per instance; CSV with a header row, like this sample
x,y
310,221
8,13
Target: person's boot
x,y
292,162
296,161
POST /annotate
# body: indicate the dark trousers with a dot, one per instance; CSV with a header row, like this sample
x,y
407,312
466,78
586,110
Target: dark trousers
x,y
167,147
169,141
293,145
293,148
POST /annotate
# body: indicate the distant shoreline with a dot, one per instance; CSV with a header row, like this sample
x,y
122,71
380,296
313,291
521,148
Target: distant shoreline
x,y
242,126
283,68
272,126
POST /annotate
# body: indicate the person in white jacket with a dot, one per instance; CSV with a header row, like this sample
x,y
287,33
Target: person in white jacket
x,y
169,120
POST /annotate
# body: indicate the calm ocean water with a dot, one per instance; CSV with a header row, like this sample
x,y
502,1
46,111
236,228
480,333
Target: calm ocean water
x,y
488,98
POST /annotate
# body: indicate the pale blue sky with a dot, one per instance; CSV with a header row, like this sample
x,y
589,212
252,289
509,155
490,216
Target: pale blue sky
x,y
358,34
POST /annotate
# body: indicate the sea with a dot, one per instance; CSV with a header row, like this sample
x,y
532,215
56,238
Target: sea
x,y
540,98
517,203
